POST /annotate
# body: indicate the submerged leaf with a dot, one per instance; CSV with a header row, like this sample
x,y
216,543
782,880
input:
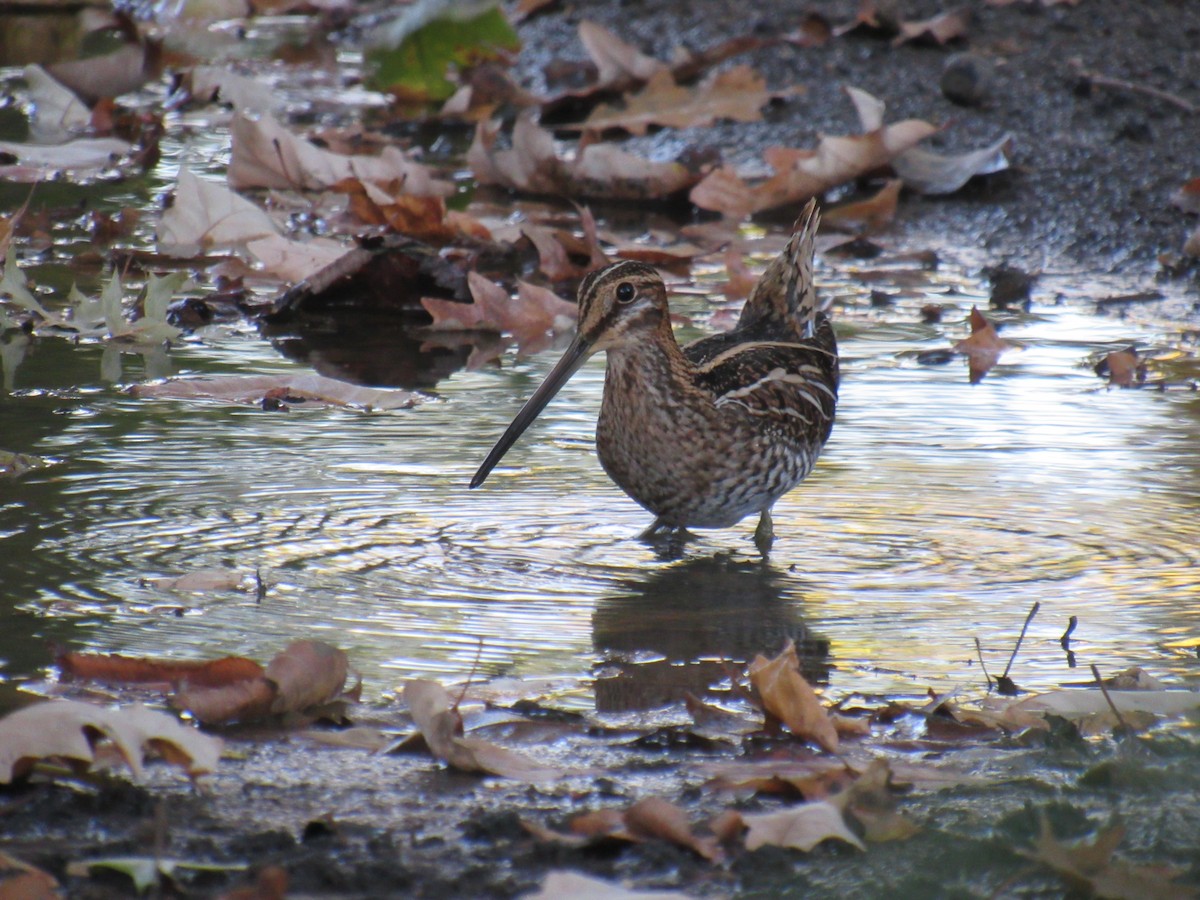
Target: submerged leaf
x,y
983,348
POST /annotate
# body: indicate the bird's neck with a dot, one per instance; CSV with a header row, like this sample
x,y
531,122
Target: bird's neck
x,y
652,360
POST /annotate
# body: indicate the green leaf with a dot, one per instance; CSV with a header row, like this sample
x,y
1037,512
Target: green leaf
x,y
417,65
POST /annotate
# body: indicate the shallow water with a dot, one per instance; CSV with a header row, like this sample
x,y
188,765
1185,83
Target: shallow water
x,y
939,513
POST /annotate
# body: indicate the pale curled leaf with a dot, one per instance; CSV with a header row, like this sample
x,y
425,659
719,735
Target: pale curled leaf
x,y
287,389
799,827
937,173
306,673
64,728
206,216
57,113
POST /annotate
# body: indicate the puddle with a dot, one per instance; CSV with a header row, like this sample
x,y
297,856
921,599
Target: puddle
x,y
939,513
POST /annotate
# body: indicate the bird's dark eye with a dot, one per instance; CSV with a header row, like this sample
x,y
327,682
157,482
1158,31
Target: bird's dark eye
x,y
625,292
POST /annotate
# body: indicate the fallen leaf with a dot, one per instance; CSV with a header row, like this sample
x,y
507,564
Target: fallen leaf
x,y
81,157
1135,678
147,872
68,729
201,580
265,154
278,390
866,216
801,174
441,726
736,94
212,84
617,63
533,164
114,668
1191,246
303,675
14,465
107,75
786,694
1187,197
534,313
799,827
662,819
306,673
940,29
871,801
1124,367
983,348
57,114
204,216
937,173
294,261
21,881
558,885
270,883
1074,704
1091,868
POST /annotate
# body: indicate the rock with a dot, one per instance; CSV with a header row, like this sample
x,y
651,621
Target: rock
x,y
967,79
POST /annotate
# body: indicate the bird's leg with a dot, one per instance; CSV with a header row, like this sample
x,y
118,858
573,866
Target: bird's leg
x,y
764,534
657,527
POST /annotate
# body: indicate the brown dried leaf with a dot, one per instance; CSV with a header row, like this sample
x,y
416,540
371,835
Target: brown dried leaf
x,y
617,63
736,94
113,668
983,348
530,316
786,695
603,170
867,216
294,261
1125,368
306,673
1187,197
265,154
656,817
21,881
1091,868
246,701
801,174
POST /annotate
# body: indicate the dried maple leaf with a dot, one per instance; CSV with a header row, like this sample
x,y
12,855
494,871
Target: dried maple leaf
x,y
529,317
68,729
265,154
1091,868
801,174
533,164
983,348
786,695
736,94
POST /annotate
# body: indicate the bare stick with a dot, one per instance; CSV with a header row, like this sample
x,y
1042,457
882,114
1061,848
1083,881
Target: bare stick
x,y
471,674
1116,712
1065,640
979,653
1029,618
1123,85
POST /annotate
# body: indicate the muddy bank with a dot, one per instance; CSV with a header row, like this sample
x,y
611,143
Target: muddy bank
x,y
1094,166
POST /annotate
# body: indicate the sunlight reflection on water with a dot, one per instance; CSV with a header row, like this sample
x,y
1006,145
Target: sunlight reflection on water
x,y
940,513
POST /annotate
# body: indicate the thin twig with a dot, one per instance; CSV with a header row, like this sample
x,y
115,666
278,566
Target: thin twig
x,y
471,674
1065,640
1122,85
1116,712
982,665
1029,618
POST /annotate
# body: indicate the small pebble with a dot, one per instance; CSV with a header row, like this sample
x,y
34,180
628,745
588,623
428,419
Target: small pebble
x,y
967,79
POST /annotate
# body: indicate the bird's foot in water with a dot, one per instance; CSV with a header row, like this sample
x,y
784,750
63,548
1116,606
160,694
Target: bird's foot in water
x,y
764,534
667,540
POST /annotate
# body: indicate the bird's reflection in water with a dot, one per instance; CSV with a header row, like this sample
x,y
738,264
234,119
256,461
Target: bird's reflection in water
x,y
379,350
688,627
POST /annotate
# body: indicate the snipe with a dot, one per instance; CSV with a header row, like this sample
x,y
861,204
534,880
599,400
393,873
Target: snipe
x,y
705,434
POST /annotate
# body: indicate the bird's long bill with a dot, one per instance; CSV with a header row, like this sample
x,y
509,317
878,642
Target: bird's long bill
x,y
572,359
